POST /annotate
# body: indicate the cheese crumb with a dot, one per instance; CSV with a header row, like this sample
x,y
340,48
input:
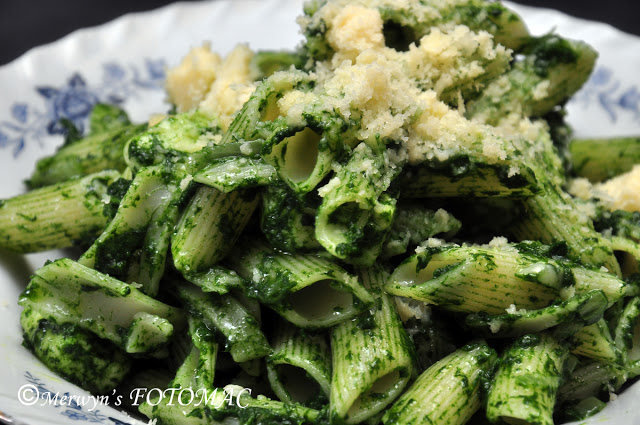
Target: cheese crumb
x,y
623,190
514,310
329,187
188,83
568,292
499,242
581,188
232,87
355,29
184,183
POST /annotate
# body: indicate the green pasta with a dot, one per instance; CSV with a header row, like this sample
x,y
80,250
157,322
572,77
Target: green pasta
x,y
527,380
287,219
564,319
226,314
552,69
413,224
471,280
458,180
448,392
372,359
58,216
299,368
102,149
134,245
305,289
355,214
209,226
231,173
601,159
70,292
595,342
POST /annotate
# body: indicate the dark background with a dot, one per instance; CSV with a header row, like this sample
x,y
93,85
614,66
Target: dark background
x,y
28,23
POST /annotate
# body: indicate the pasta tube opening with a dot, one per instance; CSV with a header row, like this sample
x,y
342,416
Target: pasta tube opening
x,y
386,388
298,386
299,160
320,301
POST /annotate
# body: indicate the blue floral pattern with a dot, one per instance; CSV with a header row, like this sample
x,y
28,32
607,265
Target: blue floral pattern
x,y
74,101
72,410
607,91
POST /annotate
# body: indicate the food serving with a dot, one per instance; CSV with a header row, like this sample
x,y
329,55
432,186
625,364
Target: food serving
x,y
390,225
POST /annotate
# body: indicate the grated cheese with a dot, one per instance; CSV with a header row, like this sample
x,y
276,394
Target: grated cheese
x,y
623,190
188,83
232,86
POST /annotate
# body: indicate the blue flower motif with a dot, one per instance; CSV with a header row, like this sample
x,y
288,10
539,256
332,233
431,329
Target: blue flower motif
x,y
608,105
156,68
601,76
72,403
32,379
95,416
19,112
114,72
73,102
74,415
630,100
19,146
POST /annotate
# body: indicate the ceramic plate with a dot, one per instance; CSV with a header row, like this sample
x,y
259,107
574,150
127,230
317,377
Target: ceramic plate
x,y
124,62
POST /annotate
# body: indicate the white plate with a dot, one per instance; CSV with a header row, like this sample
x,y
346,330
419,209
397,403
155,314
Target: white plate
x,y
125,60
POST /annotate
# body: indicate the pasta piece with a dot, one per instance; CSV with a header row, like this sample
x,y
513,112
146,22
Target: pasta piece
x,y
57,216
627,251
301,157
305,289
92,154
134,246
207,348
602,159
587,279
231,173
448,392
564,318
592,378
74,353
355,214
536,83
627,335
372,361
527,380
287,219
460,180
173,138
209,227
470,279
249,123
261,410
70,292
553,216
299,369
595,342
226,314
215,279
414,223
